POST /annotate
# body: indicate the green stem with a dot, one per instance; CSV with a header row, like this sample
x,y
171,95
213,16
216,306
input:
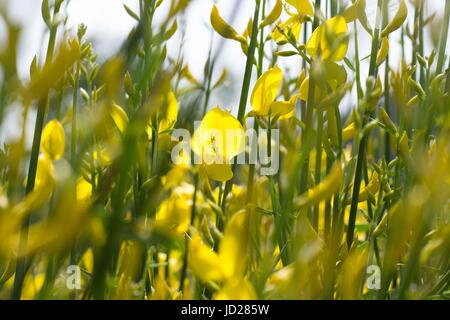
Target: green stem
x,y
364,140
209,70
387,142
251,170
357,64
444,37
22,262
421,40
318,169
306,148
73,137
245,88
186,240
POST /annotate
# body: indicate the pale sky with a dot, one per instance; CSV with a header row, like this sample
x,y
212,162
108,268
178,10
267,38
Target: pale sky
x,y
109,24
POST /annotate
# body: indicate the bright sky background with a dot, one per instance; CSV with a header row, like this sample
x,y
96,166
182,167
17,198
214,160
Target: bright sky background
x,y
109,24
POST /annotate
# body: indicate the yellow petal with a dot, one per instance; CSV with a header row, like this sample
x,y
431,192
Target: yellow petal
x,y
84,190
171,112
303,6
32,285
293,25
349,132
358,11
335,74
45,176
233,247
304,91
383,52
223,28
353,273
45,79
203,262
323,40
398,20
220,136
351,13
324,190
283,109
273,15
404,146
266,90
119,117
313,44
219,172
372,188
174,214
236,289
87,260
53,140
334,28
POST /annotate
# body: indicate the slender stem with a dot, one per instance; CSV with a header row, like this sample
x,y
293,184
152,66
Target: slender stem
x,y
421,39
327,214
249,64
365,138
318,169
387,142
209,70
306,148
186,240
251,170
359,90
73,137
22,262
444,36
245,87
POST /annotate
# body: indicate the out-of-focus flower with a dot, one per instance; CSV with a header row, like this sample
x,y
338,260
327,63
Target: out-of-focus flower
x,y
265,93
219,138
329,40
53,140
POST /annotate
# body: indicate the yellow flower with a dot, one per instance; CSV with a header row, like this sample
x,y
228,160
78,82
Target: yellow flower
x,y
348,132
233,247
223,28
167,114
398,20
372,188
219,172
324,190
219,138
329,40
174,214
53,140
273,15
283,109
203,261
129,263
119,117
383,52
32,285
87,260
236,289
292,25
168,118
84,189
303,7
265,92
229,264
45,175
332,76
